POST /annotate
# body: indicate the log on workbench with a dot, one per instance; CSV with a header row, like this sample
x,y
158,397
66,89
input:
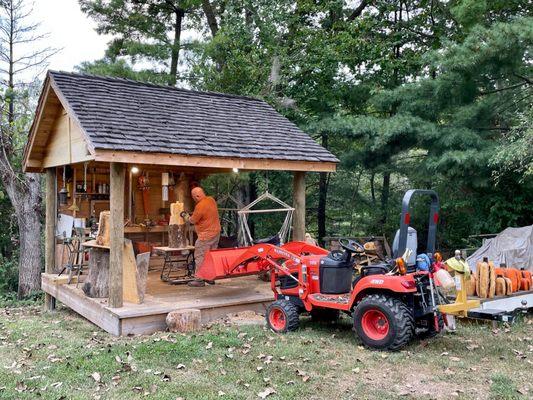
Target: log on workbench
x,y
97,282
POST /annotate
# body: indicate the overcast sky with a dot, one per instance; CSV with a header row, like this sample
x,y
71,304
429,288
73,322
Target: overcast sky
x,y
70,30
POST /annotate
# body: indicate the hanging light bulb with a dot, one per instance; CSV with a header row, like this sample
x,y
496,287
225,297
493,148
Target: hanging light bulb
x,y
235,170
134,170
63,193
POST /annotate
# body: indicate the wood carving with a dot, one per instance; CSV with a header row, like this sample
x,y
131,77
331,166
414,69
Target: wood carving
x,y
102,237
176,227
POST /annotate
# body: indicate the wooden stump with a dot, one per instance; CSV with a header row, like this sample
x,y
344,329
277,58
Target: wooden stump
x,y
176,236
187,320
176,227
97,282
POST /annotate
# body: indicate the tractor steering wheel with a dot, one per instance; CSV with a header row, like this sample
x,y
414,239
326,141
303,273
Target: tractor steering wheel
x,y
351,246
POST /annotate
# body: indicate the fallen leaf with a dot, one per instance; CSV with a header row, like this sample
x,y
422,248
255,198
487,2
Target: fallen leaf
x,y
96,376
221,393
21,387
267,392
209,346
455,359
180,366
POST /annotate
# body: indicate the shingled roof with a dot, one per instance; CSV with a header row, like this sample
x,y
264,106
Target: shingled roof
x,y
123,115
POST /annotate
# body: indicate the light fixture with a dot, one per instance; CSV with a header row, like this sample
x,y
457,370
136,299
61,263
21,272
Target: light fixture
x,y
164,185
63,193
134,170
235,170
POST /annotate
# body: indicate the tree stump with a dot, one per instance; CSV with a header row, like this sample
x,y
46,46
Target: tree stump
x,y
97,282
187,320
176,236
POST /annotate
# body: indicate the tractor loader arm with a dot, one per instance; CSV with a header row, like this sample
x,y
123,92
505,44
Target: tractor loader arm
x,y
228,263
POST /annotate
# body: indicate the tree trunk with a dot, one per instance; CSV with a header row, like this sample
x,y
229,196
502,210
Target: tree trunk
x,y
385,199
210,16
372,189
252,193
322,198
26,200
175,51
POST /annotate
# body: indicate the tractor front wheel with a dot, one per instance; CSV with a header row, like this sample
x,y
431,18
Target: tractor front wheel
x,y
383,322
282,316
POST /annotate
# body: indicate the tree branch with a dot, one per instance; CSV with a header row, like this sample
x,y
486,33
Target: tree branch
x,y
357,12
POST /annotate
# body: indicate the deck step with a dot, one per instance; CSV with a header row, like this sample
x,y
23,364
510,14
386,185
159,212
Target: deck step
x,y
331,298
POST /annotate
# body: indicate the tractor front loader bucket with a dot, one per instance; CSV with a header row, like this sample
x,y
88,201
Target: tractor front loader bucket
x,y
221,263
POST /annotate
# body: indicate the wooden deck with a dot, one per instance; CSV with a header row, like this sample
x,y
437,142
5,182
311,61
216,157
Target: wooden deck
x,y
227,296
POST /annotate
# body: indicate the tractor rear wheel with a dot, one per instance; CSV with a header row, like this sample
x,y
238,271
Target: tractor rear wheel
x,y
282,316
383,322
325,314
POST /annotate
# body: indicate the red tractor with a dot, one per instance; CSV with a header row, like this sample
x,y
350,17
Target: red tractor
x,y
388,302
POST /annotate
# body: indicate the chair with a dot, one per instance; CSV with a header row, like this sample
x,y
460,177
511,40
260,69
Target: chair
x,y
76,254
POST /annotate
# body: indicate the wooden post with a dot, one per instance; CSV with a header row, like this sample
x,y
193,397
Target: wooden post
x,y
50,228
116,233
298,219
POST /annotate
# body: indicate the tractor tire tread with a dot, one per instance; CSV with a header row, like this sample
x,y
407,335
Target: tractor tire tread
x,y
403,316
290,310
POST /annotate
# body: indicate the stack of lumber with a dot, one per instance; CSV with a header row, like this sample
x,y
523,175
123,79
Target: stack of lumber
x,y
489,281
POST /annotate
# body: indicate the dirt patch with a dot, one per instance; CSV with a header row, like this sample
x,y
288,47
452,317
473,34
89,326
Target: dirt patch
x,y
241,318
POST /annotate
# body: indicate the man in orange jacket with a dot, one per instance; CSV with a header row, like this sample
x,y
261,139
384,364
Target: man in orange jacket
x,y
207,226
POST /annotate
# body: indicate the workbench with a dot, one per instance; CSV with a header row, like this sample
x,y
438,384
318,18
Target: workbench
x,y
178,265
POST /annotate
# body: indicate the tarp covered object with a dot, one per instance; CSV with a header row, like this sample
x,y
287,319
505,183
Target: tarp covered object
x,y
513,246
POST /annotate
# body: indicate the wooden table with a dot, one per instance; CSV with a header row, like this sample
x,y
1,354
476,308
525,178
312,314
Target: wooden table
x,y
178,266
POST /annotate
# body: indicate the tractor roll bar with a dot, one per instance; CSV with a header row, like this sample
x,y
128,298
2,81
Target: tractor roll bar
x,y
406,217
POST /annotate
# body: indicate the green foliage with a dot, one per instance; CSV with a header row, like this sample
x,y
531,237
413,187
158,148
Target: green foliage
x,y
121,69
8,275
428,94
514,155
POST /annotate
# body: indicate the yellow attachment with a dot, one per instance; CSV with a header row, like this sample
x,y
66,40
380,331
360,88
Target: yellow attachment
x,y
460,266
461,305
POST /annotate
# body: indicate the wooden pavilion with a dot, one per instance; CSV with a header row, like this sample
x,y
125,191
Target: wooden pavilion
x,y
99,129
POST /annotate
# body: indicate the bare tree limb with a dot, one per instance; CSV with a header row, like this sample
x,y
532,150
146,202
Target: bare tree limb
x,y
358,10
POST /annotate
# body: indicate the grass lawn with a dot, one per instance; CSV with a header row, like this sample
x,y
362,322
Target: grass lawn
x,y
62,356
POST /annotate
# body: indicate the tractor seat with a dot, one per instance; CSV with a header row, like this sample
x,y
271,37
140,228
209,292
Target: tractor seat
x,y
373,269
